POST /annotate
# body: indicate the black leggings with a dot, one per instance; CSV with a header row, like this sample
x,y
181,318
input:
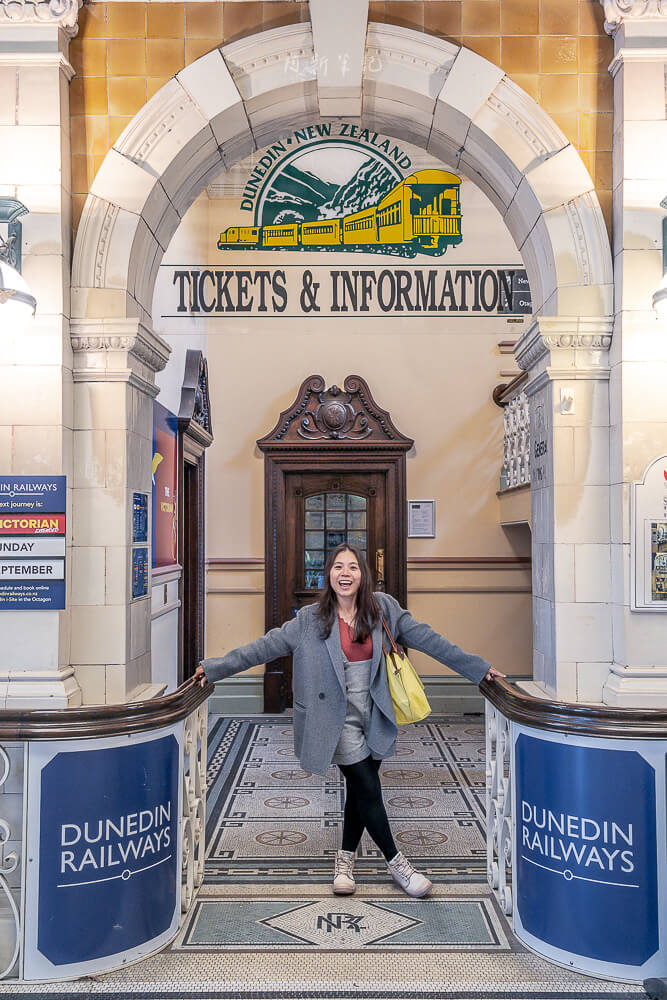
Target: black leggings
x,y
364,808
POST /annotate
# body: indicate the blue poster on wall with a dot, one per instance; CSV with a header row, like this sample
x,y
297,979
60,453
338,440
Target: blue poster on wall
x,y
108,865
32,543
586,842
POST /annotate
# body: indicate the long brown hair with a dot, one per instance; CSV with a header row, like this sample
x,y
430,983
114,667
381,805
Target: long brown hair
x,y
368,609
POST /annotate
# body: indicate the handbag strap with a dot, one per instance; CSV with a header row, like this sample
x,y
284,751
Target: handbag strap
x,y
394,647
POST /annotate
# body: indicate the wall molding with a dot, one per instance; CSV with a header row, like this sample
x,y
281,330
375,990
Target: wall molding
x,y
414,562
447,695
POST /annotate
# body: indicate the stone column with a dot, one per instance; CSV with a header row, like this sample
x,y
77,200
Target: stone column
x,y
567,358
115,361
638,357
35,367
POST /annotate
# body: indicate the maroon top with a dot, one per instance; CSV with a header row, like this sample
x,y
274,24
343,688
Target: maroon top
x,y
354,651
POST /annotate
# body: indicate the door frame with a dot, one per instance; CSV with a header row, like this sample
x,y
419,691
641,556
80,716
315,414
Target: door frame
x,y
327,430
195,434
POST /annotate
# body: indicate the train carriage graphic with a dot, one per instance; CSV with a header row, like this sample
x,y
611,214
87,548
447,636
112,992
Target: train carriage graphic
x,y
420,214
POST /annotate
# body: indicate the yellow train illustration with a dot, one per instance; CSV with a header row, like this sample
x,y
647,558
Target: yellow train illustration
x,y
421,214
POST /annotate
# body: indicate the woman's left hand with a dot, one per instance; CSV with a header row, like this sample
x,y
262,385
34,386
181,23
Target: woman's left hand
x,y
492,673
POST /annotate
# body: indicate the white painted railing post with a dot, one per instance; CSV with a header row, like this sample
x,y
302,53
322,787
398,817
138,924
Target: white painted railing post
x,y
194,802
499,806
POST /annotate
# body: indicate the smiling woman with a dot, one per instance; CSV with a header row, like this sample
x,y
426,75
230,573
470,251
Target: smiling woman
x,y
343,711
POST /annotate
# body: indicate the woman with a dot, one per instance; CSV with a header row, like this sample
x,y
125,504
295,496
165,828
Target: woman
x,y
343,712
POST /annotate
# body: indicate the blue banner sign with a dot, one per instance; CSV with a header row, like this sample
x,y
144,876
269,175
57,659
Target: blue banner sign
x,y
586,851
140,517
109,864
32,526
32,494
139,571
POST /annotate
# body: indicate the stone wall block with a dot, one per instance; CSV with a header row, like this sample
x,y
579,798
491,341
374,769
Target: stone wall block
x,y
591,678
491,164
264,65
644,150
100,517
591,455
38,450
98,634
470,82
592,573
18,159
117,574
39,97
541,267
563,568
29,640
90,459
620,573
583,632
518,126
91,678
582,514
637,274
560,178
392,114
637,215
100,404
87,574
8,96
523,212
140,629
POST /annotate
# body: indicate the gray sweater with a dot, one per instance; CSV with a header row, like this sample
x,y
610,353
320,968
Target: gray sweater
x,y
318,677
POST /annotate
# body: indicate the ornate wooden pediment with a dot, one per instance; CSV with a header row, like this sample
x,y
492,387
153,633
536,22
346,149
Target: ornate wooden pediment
x,y
335,416
194,415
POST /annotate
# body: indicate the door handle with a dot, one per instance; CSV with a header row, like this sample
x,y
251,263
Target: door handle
x,y
379,568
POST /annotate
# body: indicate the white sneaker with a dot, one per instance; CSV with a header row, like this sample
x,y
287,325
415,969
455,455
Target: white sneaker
x,y
411,881
343,883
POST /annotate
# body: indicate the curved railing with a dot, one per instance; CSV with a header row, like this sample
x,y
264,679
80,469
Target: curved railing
x,y
180,715
568,761
103,720
568,717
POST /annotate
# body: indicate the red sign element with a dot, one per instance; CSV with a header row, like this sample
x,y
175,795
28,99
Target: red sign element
x,y
32,524
165,503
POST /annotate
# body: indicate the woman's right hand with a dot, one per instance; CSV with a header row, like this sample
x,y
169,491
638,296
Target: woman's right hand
x,y
200,676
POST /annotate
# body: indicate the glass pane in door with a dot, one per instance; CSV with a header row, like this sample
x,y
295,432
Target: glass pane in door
x,y
342,519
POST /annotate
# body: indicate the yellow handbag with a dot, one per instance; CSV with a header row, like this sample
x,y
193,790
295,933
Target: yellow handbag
x,y
405,686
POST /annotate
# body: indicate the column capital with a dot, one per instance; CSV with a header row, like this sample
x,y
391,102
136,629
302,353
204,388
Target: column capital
x,y
565,346
118,350
61,13
617,12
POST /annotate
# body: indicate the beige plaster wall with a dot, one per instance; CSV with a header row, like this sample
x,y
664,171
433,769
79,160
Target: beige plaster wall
x,y
434,374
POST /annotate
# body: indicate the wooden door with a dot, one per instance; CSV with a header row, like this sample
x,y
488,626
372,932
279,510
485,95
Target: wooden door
x,y
325,509
334,452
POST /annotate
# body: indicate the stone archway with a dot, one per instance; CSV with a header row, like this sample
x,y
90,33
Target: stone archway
x,y
429,92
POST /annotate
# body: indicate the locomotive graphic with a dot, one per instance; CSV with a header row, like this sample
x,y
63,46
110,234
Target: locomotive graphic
x,y
420,214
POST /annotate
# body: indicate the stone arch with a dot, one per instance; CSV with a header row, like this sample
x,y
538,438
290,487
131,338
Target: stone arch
x,y
427,91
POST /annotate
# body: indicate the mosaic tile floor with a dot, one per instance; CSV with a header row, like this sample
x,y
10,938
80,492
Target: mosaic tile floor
x,y
265,925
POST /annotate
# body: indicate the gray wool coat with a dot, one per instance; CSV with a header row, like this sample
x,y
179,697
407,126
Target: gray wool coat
x,y
318,677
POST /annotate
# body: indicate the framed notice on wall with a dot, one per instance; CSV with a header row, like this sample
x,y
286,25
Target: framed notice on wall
x,y
421,518
648,539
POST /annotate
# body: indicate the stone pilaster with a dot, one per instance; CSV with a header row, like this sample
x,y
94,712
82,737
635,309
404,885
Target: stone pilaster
x,y
115,362
638,357
35,365
567,358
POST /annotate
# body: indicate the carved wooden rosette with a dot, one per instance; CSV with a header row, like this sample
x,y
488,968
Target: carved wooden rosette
x,y
328,430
